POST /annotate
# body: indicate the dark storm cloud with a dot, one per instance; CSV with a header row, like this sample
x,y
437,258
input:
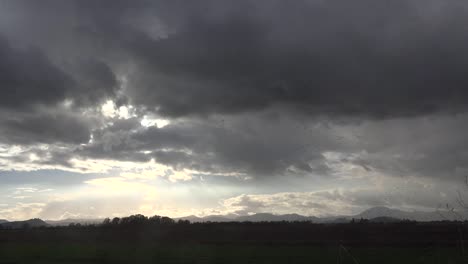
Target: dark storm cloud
x,y
34,88
44,127
434,147
363,59
28,78
33,92
374,59
95,82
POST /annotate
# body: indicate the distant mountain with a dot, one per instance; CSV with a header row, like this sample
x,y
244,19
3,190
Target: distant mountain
x,y
260,217
66,222
36,222
374,214
217,218
210,218
265,217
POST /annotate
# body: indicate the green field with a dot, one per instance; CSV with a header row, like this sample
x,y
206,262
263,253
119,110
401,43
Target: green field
x,y
206,253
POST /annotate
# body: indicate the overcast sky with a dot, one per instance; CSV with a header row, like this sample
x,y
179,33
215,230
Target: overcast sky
x,y
315,107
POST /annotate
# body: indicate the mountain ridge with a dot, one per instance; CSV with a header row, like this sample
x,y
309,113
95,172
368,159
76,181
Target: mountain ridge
x,y
375,214
384,213
35,222
81,221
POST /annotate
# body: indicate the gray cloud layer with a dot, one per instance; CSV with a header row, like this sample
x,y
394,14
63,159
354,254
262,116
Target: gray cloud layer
x,y
368,58
258,87
364,58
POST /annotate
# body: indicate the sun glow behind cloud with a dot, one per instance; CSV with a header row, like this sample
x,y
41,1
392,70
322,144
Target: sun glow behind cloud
x,y
109,109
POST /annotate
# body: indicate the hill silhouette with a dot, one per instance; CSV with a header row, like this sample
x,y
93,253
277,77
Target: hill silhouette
x,y
371,213
414,215
32,223
68,221
374,214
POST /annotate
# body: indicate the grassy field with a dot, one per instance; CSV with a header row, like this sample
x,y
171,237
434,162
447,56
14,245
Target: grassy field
x,y
207,253
399,243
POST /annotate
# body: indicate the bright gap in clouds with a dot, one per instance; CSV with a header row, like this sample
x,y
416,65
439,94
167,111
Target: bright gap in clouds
x,y
147,121
109,109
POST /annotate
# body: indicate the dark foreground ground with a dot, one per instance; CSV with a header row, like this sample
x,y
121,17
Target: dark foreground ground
x,y
239,243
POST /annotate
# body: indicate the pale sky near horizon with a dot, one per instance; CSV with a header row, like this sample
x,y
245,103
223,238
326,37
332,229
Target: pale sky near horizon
x,y
111,108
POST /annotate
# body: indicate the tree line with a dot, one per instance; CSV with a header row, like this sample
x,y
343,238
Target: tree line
x,y
141,220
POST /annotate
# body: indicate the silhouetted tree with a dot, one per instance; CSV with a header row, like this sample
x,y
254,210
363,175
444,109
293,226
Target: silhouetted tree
x,y
106,222
183,222
155,220
166,220
115,221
